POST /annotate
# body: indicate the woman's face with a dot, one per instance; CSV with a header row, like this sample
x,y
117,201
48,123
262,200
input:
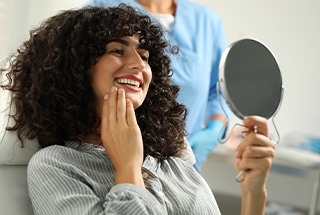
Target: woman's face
x,y
124,65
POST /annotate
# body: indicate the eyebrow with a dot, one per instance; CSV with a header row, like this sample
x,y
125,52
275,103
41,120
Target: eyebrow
x,y
124,42
117,40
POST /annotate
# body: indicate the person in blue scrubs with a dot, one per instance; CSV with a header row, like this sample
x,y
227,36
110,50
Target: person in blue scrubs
x,y
199,34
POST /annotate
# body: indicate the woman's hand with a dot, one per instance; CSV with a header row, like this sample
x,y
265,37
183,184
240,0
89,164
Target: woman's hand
x,y
254,156
121,137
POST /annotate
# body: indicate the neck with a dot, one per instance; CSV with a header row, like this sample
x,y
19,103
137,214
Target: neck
x,y
159,6
93,138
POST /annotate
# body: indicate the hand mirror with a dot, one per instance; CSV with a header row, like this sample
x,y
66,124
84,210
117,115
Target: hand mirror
x,y
250,80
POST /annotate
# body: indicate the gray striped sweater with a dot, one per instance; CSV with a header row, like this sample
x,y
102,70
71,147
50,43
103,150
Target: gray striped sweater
x,y
79,179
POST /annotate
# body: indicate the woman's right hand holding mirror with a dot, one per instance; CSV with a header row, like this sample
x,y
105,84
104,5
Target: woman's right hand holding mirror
x,y
254,157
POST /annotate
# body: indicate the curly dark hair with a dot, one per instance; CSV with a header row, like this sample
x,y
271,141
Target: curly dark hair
x,y
52,85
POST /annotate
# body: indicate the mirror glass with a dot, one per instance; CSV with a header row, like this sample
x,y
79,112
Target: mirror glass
x,y
250,79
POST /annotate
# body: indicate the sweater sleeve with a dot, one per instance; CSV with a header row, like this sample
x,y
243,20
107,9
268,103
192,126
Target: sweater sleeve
x,y
54,188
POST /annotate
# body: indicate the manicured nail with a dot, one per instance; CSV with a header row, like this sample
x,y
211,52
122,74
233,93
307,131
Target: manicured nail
x,y
106,97
113,89
120,91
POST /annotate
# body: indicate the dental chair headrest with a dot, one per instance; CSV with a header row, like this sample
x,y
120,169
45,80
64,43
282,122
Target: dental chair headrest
x,y
11,152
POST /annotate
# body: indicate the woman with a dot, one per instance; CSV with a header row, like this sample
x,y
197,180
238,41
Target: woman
x,y
93,86
199,34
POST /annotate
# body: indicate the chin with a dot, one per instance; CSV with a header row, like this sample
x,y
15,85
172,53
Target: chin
x,y
136,104
136,100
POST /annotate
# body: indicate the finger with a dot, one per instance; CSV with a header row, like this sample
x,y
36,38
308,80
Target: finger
x,y
112,106
121,107
254,139
131,116
261,165
258,152
104,115
257,123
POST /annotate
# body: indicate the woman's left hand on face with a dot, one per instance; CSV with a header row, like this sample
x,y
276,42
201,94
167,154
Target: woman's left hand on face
x,y
254,154
120,133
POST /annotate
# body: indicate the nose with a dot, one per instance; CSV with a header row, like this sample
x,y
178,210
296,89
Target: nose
x,y
135,61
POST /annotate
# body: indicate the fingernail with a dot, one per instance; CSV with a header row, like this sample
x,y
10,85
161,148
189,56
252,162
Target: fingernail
x,y
106,97
120,91
113,89
255,129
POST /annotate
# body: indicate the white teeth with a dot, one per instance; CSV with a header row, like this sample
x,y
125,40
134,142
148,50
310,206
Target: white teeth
x,y
128,81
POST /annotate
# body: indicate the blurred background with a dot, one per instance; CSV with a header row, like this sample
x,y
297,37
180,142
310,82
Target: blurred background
x,y
287,27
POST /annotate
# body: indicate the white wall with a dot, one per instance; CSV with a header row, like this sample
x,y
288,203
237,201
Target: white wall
x,y
18,17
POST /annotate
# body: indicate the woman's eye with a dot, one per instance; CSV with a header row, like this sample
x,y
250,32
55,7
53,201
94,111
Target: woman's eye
x,y
145,58
117,51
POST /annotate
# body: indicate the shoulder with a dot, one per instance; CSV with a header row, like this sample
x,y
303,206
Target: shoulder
x,y
180,166
72,156
49,156
199,10
47,163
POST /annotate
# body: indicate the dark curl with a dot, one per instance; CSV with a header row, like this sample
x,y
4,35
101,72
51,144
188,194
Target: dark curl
x,y
52,85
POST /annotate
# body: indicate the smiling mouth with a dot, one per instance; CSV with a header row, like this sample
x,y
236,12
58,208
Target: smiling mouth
x,y
130,82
